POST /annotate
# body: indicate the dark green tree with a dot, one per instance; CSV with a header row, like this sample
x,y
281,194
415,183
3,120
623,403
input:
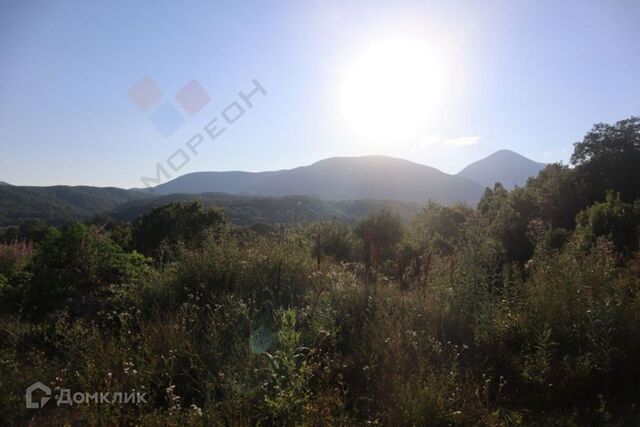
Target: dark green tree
x,y
558,195
176,222
439,228
614,220
379,232
608,158
332,239
31,231
507,216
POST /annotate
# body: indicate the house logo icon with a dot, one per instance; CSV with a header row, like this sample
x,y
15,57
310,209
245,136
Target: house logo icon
x,y
30,392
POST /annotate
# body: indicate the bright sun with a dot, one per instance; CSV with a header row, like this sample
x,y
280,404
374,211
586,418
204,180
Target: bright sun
x,y
391,91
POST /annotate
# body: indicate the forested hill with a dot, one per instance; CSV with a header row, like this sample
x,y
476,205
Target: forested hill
x,y
59,203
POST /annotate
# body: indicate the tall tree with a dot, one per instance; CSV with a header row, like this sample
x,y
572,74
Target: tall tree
x,y
608,158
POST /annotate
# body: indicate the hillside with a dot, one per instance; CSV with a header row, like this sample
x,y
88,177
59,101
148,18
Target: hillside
x,y
59,203
233,182
504,166
371,177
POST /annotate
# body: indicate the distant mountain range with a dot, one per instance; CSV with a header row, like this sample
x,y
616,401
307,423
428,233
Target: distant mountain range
x,y
339,187
368,177
337,178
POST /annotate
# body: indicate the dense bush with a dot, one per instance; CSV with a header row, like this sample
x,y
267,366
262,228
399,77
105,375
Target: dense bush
x,y
174,223
72,270
614,220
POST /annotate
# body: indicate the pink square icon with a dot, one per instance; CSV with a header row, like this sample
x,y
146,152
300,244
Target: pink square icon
x,y
192,97
144,93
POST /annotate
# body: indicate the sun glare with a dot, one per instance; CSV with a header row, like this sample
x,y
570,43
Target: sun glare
x,y
391,91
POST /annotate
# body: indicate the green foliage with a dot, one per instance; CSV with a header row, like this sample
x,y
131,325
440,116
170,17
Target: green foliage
x,y
384,228
441,227
59,204
31,231
332,239
558,195
175,223
288,373
120,233
608,158
507,217
379,232
71,269
288,210
614,220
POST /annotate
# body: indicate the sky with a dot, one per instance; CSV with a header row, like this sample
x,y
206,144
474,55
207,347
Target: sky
x,y
442,83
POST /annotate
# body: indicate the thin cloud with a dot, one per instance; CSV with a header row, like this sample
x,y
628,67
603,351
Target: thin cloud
x,y
438,140
461,142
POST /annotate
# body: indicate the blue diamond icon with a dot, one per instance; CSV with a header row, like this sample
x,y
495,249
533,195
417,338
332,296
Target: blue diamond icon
x,y
167,119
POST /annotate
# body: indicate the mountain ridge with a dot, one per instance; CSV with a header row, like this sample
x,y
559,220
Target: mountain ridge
x,y
337,178
505,166
333,180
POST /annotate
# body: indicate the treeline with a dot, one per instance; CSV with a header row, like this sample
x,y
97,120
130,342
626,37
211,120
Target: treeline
x,y
521,310
60,205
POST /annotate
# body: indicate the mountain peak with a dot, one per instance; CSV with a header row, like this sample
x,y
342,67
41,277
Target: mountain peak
x,y
505,151
508,154
504,166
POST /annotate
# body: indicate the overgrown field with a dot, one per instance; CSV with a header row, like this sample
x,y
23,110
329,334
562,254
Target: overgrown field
x,y
522,310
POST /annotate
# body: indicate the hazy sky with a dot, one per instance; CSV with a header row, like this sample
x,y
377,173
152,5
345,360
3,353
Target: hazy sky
x,y
531,76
